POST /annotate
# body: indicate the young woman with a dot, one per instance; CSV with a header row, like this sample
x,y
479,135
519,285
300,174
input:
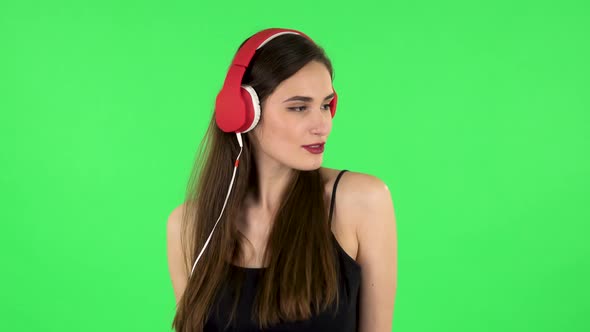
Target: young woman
x,y
269,245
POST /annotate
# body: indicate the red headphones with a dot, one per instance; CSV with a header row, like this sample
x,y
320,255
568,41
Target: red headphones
x,y
237,107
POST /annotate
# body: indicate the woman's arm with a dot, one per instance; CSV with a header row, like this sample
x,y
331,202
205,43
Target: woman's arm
x,y
176,266
377,255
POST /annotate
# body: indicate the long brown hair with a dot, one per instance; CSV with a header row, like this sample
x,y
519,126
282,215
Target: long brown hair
x,y
301,278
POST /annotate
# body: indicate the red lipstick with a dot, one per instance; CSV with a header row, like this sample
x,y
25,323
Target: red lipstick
x,y
315,148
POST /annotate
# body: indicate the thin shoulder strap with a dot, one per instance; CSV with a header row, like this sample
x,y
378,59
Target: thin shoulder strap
x,y
334,195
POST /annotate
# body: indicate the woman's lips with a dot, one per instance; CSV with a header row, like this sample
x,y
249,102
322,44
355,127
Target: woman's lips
x,y
315,150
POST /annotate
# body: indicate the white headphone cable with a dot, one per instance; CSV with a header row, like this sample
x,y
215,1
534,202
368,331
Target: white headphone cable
x,y
239,136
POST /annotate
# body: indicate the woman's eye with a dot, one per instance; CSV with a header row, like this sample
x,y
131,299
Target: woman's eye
x,y
296,109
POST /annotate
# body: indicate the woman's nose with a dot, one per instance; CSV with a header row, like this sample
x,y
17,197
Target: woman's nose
x,y
322,121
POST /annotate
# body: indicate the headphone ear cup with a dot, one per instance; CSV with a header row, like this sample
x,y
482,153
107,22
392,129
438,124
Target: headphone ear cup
x,y
333,104
252,107
229,111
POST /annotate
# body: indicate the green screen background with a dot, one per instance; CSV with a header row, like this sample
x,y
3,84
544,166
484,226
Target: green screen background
x,y
475,114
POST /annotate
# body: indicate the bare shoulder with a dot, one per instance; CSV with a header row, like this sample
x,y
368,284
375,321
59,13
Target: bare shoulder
x,y
175,218
362,201
355,190
174,224
359,198
366,200
177,264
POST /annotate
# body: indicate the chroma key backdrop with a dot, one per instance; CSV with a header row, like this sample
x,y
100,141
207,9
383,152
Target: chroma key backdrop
x,y
475,114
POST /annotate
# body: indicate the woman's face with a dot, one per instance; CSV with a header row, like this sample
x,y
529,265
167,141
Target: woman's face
x,y
286,126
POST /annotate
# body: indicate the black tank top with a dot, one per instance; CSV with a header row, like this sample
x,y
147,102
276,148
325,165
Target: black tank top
x,y
345,319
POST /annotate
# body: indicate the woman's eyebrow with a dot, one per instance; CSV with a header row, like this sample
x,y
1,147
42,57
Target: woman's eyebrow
x,y
306,99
